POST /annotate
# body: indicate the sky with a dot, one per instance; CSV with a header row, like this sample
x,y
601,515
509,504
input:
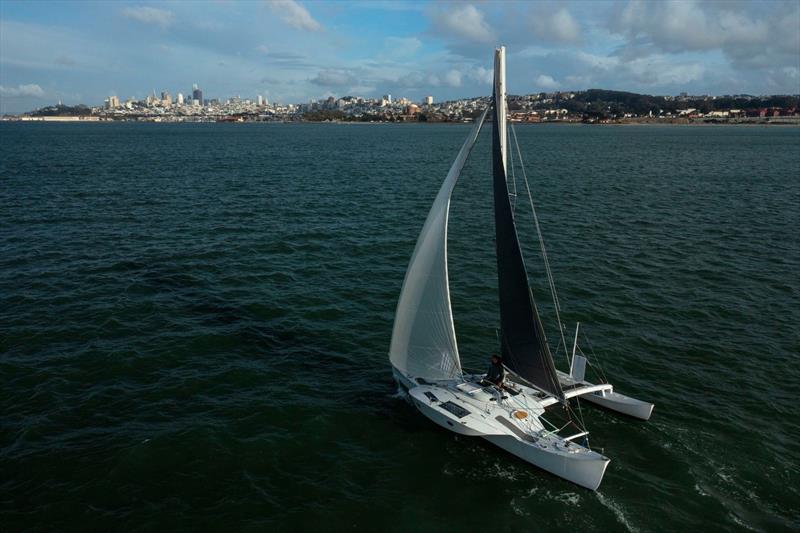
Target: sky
x,y
292,51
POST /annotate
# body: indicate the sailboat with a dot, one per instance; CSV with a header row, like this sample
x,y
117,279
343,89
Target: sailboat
x,y
424,351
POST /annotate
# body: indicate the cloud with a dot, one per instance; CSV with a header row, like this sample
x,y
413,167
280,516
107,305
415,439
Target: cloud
x,y
597,61
334,78
452,78
750,35
677,26
362,89
662,71
652,72
414,80
557,26
294,14
546,82
481,75
149,15
30,89
463,22
262,49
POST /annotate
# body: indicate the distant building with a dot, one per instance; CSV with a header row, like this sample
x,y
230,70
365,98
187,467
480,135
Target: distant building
x,y
259,100
166,99
388,98
112,102
179,99
429,100
197,94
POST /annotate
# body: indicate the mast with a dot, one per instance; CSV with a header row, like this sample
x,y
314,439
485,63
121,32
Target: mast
x,y
523,343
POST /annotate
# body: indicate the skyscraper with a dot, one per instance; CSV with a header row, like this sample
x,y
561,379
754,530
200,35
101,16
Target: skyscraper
x,y
197,94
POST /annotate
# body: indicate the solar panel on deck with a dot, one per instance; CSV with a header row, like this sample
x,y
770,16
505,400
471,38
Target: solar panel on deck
x,y
454,408
431,396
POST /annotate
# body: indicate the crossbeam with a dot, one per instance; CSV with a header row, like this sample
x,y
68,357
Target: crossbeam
x,y
579,391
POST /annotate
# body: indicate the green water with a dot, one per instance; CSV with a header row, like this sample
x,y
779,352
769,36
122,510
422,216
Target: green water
x,y
195,323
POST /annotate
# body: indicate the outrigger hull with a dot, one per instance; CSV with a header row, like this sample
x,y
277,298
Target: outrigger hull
x,y
621,404
607,398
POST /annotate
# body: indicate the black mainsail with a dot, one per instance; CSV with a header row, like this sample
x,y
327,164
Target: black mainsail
x,y
523,344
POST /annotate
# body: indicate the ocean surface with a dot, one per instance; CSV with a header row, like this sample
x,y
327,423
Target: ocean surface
x,y
195,320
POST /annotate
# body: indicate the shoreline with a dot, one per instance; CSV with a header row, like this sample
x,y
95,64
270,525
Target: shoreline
x,y
772,121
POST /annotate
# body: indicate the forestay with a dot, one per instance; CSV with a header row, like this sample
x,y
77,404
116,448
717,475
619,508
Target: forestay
x,y
424,338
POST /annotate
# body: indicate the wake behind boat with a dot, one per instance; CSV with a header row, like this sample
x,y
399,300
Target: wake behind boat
x,y
424,352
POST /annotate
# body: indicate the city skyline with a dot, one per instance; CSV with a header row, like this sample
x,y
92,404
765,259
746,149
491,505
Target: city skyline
x,y
287,51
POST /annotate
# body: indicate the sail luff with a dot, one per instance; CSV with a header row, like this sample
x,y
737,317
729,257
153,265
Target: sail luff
x,y
423,338
523,343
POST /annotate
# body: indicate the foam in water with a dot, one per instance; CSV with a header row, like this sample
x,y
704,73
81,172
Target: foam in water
x,y
614,508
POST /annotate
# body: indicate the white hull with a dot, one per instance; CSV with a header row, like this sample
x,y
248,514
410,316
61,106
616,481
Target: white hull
x,y
470,410
621,404
584,470
609,399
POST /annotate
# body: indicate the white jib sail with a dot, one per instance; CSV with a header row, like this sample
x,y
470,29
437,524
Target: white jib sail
x,y
424,336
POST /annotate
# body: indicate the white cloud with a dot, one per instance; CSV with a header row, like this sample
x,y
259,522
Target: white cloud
x,y
334,78
149,15
294,14
662,70
30,89
543,81
481,75
647,71
534,51
598,62
452,78
558,26
262,49
362,89
463,22
686,25
415,80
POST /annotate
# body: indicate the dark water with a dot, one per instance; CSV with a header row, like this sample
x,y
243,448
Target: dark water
x,y
195,322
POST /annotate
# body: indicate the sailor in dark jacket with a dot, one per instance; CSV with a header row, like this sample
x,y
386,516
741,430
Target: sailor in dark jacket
x,y
496,372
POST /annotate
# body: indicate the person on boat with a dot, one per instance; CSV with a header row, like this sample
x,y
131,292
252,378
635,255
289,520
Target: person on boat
x,y
496,372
